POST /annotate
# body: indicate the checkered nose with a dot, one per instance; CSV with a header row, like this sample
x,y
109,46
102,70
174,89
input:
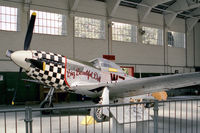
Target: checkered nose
x,y
37,63
48,68
19,57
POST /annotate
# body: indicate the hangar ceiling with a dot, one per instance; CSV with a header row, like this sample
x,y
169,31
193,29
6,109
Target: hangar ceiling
x,y
186,9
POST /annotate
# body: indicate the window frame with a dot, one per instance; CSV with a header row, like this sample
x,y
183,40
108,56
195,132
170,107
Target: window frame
x,y
90,32
177,42
120,27
13,14
50,26
158,40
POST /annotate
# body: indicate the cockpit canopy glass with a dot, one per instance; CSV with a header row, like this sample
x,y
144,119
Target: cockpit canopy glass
x,y
104,64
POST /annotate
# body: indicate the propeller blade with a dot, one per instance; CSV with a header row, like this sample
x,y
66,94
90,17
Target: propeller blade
x,y
17,85
20,71
8,53
29,32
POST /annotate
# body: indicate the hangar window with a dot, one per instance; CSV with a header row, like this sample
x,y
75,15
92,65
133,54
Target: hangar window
x,y
176,39
124,32
152,36
49,23
8,18
89,28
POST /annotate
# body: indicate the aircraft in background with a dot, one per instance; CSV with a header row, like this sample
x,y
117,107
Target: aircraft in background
x,y
96,78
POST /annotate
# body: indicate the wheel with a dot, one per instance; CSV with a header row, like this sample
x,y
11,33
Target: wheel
x,y
96,100
149,105
98,116
45,104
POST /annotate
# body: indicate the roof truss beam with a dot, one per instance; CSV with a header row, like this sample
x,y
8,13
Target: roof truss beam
x,y
196,12
178,7
73,4
191,23
169,18
181,5
27,5
144,11
112,6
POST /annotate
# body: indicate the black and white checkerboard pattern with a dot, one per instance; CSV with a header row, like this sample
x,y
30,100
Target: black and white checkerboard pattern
x,y
49,56
54,70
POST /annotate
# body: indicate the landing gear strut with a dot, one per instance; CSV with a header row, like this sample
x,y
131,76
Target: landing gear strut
x,y
47,102
101,113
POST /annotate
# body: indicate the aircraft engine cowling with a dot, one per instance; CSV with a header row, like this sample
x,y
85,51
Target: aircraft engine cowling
x,y
48,68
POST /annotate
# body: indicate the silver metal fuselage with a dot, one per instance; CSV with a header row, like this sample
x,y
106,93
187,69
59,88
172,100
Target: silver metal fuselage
x,y
60,72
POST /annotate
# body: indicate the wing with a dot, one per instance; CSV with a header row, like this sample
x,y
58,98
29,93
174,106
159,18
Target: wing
x,y
31,80
153,84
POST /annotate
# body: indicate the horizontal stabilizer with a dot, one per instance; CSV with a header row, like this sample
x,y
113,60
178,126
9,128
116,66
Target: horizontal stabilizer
x,y
130,113
34,81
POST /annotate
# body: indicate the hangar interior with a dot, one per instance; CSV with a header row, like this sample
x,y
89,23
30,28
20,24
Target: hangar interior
x,y
151,37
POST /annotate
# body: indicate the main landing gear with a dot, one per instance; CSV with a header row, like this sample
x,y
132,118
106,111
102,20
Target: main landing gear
x,y
101,113
47,102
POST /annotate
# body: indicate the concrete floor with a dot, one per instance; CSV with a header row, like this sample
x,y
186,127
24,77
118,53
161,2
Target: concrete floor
x,y
174,117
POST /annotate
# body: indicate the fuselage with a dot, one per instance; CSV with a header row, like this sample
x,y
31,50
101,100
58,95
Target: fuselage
x,y
60,72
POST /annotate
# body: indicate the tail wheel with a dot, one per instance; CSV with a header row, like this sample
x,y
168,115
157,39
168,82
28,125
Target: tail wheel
x,y
149,105
99,116
46,104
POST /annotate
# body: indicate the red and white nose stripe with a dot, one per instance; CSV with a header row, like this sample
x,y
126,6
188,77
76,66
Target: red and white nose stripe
x,y
19,58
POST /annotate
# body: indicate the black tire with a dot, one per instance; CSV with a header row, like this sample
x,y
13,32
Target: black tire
x,y
149,105
96,100
98,116
45,104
